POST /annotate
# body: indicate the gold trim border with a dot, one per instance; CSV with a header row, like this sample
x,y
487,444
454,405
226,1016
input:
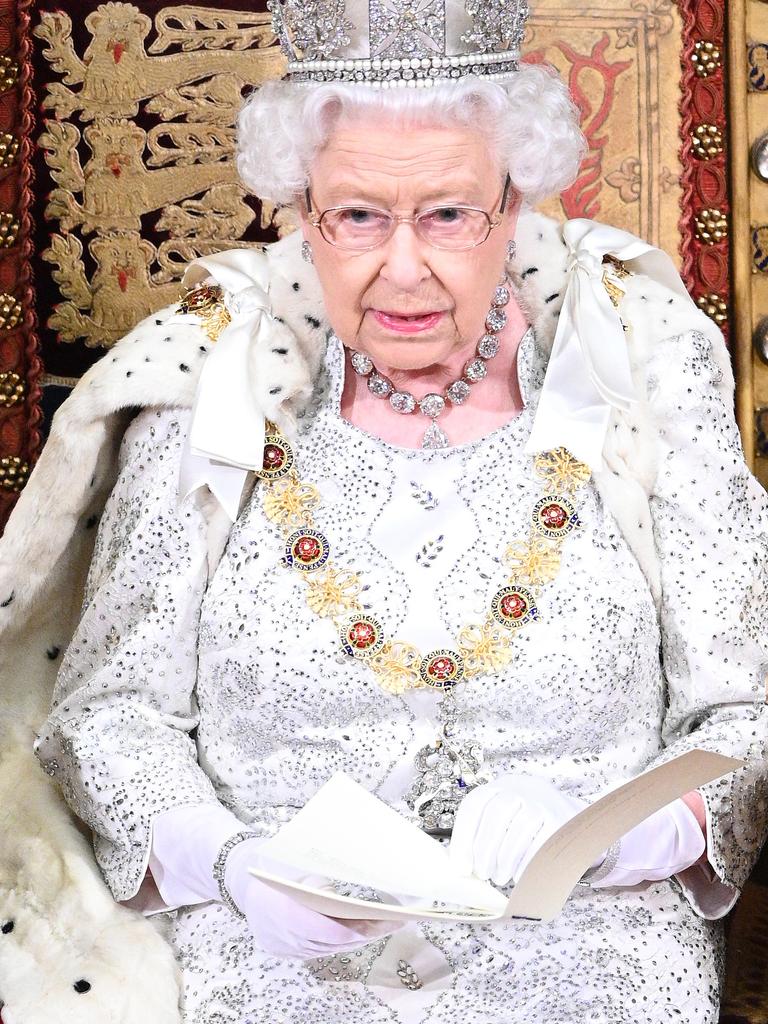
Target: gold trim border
x,y
48,379
741,262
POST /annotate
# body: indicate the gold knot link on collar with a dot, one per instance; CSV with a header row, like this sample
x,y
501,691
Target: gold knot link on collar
x,y
290,502
536,560
561,471
486,648
207,303
334,592
398,667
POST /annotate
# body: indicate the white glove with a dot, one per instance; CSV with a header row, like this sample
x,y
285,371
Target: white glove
x,y
501,825
185,845
668,842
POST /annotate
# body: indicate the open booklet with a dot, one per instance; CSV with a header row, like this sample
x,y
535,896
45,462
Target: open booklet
x,y
345,833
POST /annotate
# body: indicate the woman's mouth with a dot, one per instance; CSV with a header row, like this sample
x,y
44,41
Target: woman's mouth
x,y
407,324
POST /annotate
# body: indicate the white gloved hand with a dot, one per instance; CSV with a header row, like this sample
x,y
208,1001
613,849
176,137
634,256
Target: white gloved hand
x,y
185,845
500,825
666,843
284,927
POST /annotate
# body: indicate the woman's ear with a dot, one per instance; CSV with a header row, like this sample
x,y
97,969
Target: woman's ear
x,y
512,210
303,206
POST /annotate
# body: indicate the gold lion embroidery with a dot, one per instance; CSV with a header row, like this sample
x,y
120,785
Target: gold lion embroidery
x,y
110,174
117,71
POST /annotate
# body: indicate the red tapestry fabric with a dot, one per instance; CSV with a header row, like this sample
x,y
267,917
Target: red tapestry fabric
x,y
703,131
20,362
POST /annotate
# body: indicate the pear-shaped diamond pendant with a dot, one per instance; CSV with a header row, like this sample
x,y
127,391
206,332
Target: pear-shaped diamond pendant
x,y
434,437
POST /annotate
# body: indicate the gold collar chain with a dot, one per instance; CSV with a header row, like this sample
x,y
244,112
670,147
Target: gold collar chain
x,y
333,592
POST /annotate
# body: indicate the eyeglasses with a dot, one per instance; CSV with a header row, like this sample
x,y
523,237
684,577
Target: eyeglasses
x,y
360,228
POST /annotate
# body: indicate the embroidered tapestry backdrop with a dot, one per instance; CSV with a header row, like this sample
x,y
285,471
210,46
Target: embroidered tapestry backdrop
x,y
616,60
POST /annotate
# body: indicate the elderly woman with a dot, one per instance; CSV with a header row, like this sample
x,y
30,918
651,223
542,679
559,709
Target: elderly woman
x,y
547,569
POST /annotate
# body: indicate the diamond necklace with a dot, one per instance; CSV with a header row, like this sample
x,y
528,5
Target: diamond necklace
x,y
433,405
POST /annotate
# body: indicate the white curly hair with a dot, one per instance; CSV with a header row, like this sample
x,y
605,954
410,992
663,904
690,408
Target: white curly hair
x,y
530,123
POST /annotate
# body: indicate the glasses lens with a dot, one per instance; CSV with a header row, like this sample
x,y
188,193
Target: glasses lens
x,y
453,227
355,227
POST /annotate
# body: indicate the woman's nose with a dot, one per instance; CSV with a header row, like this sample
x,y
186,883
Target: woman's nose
x,y
405,264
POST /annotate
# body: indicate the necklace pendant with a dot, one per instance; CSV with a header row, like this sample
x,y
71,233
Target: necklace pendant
x,y
447,771
434,437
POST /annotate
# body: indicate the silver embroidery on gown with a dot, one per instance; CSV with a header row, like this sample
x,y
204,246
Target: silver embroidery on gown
x,y
276,712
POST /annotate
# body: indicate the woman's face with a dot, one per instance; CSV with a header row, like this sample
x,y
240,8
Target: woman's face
x,y
406,169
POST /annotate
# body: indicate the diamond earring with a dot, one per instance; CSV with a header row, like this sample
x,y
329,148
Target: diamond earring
x,y
306,252
511,250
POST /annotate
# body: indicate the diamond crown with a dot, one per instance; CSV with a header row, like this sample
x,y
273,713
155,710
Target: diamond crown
x,y
391,43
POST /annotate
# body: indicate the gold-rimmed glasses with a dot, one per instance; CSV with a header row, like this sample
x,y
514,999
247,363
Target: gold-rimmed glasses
x,y
361,228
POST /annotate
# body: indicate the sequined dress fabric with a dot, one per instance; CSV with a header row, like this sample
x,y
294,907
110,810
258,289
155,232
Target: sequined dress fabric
x,y
176,690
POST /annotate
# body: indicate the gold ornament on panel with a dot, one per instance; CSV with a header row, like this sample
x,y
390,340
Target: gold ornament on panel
x,y
110,173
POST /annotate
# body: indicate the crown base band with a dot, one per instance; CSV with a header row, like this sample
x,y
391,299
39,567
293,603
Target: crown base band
x,y
363,73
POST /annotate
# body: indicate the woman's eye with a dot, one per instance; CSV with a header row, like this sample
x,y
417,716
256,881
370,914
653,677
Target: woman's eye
x,y
359,216
448,214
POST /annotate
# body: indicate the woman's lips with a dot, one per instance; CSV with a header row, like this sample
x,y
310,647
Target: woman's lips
x,y
407,324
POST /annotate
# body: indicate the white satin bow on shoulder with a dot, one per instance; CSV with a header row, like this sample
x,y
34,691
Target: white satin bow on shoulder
x,y
589,371
226,436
